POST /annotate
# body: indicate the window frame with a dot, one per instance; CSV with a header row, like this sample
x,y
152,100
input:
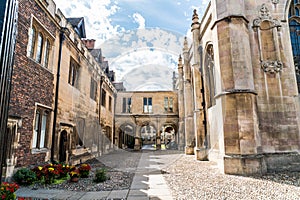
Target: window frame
x,y
93,89
103,97
41,129
147,105
39,46
73,78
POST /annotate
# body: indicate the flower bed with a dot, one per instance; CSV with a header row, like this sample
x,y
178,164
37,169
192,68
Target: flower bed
x,y
7,190
51,173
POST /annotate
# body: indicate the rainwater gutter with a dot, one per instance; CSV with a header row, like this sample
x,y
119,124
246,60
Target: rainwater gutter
x,y
61,39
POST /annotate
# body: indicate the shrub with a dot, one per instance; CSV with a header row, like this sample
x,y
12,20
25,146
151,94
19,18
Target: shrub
x,y
84,170
100,175
24,176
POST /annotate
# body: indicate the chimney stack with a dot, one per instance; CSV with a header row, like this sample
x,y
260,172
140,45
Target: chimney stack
x,y
89,43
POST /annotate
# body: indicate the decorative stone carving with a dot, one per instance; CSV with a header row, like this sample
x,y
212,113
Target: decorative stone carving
x,y
264,15
271,66
275,1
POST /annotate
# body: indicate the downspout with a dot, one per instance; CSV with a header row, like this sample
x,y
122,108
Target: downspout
x,y
100,104
61,39
203,97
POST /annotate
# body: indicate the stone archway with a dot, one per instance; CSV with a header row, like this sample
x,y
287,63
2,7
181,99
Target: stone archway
x,y
148,135
126,133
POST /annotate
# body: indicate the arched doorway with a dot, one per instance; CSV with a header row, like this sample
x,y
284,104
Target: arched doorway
x,y
63,146
168,137
148,135
126,136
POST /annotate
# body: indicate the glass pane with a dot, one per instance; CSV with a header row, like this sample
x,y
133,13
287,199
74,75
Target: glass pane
x,y
124,105
31,42
145,108
166,103
171,102
43,131
39,48
46,53
145,101
150,108
36,128
150,101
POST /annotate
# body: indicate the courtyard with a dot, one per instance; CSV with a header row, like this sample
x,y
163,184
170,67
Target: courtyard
x,y
169,174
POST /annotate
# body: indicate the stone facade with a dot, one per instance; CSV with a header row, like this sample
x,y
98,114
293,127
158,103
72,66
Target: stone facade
x,y
62,103
146,118
246,103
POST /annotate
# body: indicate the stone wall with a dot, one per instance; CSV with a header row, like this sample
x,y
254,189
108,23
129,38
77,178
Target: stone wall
x,y
256,87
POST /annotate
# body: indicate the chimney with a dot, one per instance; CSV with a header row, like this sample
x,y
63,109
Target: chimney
x,y
89,43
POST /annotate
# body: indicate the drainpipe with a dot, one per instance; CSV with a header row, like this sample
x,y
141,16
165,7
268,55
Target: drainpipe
x,y
100,104
200,50
61,39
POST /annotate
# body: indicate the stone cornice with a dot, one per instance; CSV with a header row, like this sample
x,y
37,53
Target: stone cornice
x,y
228,19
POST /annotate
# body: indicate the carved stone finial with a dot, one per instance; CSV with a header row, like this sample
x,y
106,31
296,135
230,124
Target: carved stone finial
x,y
179,59
264,15
185,44
195,18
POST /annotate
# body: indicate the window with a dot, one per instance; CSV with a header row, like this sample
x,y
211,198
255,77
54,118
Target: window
x,y
168,104
147,105
73,73
209,77
294,23
39,44
126,108
39,48
41,123
110,103
46,53
93,89
31,42
103,98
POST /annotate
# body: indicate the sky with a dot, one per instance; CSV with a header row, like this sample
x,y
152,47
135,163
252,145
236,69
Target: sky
x,y
141,39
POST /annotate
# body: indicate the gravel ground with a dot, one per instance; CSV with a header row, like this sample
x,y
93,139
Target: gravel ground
x,y
190,179
120,166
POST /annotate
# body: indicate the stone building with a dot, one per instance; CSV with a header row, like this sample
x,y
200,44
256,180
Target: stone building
x,y
146,117
62,103
240,75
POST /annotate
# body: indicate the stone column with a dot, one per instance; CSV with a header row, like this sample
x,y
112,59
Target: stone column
x,y
181,129
188,103
201,151
240,126
137,137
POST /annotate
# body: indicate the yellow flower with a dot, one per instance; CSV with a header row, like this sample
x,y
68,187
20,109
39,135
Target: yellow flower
x,y
51,169
40,168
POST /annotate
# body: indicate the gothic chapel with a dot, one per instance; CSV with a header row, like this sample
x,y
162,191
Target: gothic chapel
x,y
241,73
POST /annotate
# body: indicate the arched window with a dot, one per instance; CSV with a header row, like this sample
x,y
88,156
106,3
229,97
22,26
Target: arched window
x,y
209,79
31,42
46,53
294,24
39,48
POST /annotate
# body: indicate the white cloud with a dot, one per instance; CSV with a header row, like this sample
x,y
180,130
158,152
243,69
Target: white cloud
x,y
139,19
97,16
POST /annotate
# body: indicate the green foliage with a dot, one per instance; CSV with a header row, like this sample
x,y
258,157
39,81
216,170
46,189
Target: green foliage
x,y
24,176
100,175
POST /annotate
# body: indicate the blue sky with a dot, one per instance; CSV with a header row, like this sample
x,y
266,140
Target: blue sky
x,y
136,35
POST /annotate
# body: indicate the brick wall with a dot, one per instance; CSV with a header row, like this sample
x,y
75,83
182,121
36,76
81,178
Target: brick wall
x,y
31,83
